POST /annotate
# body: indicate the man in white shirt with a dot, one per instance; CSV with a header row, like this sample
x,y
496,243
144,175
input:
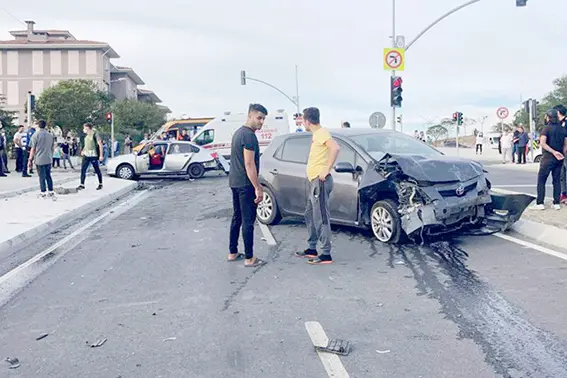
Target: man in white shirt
x,y
479,143
507,143
18,148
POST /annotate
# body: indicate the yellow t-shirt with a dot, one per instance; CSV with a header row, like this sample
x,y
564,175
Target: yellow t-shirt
x,y
319,153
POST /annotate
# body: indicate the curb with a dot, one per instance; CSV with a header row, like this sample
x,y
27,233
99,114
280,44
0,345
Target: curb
x,y
65,219
537,231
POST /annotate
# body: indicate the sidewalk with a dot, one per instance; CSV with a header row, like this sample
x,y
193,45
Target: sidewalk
x,y
25,216
547,226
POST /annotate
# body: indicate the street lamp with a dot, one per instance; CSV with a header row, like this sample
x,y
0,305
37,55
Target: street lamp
x,y
294,100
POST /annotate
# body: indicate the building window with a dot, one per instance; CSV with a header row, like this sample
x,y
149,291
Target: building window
x,y
37,87
1,67
37,62
12,63
73,62
13,94
55,62
91,62
54,83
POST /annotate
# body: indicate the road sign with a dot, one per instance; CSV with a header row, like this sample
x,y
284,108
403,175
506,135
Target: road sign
x,y
502,112
394,59
377,120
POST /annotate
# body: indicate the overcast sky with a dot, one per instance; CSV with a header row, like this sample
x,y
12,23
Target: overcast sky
x,y
191,52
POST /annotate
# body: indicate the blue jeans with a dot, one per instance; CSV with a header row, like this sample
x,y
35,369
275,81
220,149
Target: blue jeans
x,y
44,171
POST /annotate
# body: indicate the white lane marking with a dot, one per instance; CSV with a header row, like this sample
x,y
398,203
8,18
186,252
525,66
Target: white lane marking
x,y
536,247
519,186
267,234
17,277
331,362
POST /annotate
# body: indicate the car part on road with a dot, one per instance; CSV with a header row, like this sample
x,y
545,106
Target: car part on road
x,y
336,346
126,172
42,336
99,343
196,170
14,362
267,211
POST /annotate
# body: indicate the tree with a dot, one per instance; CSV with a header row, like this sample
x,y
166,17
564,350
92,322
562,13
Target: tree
x,y
135,118
437,132
497,128
6,117
71,103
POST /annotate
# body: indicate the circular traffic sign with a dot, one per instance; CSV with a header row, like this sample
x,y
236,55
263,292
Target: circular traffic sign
x,y
377,120
393,59
502,112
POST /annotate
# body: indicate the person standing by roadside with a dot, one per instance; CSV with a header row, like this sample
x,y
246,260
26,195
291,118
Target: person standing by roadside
x,y
346,125
128,145
42,144
322,156
523,140
2,148
553,141
562,116
515,135
65,154
479,143
18,148
26,140
506,145
92,154
247,192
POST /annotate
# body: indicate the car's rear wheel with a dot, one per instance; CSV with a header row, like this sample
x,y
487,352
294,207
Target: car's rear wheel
x,y
537,159
267,211
196,170
126,172
385,221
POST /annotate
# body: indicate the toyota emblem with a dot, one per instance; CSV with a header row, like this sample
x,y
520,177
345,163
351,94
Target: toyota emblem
x,y
460,191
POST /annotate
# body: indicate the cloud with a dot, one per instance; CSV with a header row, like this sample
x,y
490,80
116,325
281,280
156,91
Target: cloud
x,y
487,55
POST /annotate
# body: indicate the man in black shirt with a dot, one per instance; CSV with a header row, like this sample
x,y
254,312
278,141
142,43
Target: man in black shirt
x,y
243,181
562,113
553,142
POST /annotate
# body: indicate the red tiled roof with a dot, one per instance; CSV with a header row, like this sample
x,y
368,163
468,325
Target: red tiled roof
x,y
51,42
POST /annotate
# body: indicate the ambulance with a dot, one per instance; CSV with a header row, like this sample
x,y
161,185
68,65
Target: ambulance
x,y
216,136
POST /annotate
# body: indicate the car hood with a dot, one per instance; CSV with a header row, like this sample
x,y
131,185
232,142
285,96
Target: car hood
x,y
436,169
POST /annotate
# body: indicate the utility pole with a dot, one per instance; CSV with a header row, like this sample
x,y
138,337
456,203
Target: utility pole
x,y
30,115
297,90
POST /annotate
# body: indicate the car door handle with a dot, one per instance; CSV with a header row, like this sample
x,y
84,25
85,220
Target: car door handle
x,y
274,172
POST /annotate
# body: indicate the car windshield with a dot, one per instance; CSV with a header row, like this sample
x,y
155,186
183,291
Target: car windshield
x,y
379,144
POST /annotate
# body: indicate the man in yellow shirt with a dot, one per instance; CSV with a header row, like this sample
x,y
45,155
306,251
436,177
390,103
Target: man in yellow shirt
x,y
322,156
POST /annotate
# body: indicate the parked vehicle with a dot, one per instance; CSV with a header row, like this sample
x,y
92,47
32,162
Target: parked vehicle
x,y
389,182
167,158
173,129
216,136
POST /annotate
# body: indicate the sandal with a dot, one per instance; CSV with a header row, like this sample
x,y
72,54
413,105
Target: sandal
x,y
319,261
256,263
237,257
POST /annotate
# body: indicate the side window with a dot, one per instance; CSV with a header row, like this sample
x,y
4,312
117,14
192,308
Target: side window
x,y
296,150
208,136
347,154
195,149
180,148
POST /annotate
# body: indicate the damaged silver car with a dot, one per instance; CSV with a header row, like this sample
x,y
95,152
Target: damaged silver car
x,y
390,182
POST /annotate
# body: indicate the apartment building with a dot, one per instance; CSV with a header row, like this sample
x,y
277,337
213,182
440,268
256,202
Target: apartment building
x,y
38,59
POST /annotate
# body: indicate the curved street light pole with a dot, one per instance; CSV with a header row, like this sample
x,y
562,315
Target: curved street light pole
x,y
294,101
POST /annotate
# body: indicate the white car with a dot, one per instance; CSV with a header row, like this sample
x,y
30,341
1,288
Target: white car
x,y
167,158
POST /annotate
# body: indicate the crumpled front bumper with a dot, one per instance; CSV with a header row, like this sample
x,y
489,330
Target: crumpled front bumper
x,y
494,212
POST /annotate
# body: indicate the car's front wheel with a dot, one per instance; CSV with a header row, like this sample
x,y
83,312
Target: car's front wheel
x,y
537,159
385,221
196,170
126,172
267,211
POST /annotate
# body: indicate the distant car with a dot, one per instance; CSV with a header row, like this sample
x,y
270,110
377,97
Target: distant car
x,y
167,158
389,182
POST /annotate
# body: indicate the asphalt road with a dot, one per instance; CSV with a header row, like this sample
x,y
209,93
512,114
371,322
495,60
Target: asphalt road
x,y
154,269
515,180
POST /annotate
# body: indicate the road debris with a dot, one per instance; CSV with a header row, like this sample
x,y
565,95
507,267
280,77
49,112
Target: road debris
x,y
170,339
13,361
383,351
98,343
336,346
42,336
195,230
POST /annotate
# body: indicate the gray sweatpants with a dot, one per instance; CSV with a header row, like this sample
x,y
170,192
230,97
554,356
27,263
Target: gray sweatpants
x,y
317,216
564,177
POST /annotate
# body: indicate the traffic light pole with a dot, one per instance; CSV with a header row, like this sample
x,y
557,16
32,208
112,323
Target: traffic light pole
x,y
294,102
393,45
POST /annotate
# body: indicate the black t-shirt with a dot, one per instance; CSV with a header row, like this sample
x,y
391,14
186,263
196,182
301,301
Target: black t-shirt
x,y
243,138
65,148
555,138
516,135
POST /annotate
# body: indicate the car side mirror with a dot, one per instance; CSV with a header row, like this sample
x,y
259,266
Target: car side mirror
x,y
344,167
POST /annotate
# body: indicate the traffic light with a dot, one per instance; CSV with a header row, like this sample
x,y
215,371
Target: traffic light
x,y
396,92
242,77
534,105
109,118
400,119
32,102
458,118
521,3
